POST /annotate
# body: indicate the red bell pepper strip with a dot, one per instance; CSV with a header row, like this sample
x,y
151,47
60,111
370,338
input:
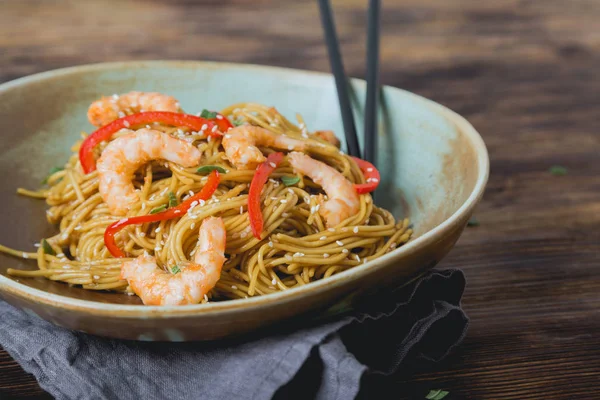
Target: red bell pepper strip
x,y
86,154
258,182
204,194
371,175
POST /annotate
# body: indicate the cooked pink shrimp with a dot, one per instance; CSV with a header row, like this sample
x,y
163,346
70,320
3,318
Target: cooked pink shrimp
x,y
155,286
124,155
328,136
107,109
343,200
240,144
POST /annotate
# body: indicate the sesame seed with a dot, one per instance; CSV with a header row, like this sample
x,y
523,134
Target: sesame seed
x,y
157,229
36,245
272,164
241,209
273,181
157,248
142,234
96,276
331,230
66,266
243,235
345,251
357,257
143,206
214,129
344,229
193,225
285,215
148,127
121,114
204,127
393,245
355,230
25,255
288,257
274,281
339,242
59,255
202,203
325,255
234,287
312,210
219,116
323,238
369,169
227,136
283,201
270,244
290,191
177,212
115,96
307,200
126,124
205,297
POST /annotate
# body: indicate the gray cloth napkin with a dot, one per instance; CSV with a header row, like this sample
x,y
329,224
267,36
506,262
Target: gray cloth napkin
x,y
422,320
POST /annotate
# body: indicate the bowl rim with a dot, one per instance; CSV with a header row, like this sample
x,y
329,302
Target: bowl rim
x,y
164,312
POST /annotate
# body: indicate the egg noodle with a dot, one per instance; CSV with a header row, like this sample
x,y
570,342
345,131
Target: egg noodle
x,y
297,247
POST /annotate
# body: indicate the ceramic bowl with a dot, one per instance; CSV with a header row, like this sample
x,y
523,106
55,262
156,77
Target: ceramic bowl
x,y
434,168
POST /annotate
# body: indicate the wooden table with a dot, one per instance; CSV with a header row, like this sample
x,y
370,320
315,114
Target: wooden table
x,y
525,73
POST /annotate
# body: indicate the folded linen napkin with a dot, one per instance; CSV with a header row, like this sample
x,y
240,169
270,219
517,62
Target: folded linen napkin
x,y
423,319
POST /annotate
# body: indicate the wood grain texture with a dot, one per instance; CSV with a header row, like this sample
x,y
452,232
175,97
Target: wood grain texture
x,y
524,72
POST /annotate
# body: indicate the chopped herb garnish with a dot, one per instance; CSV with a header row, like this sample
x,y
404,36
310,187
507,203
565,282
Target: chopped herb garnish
x,y
53,170
473,222
208,114
290,180
207,169
47,248
237,122
158,209
172,199
558,170
175,269
436,394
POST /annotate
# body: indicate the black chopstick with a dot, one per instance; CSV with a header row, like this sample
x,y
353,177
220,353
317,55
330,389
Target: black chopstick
x,y
341,81
370,129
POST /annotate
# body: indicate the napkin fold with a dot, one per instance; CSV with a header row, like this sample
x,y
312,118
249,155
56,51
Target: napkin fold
x,y
324,361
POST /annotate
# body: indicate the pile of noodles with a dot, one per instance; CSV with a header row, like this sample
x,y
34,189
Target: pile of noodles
x,y
297,247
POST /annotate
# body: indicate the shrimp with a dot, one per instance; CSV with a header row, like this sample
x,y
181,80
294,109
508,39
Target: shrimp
x,y
107,109
343,200
155,286
327,136
240,145
124,155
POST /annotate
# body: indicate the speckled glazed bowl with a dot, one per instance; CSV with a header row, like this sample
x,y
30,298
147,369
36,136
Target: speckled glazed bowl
x,y
434,169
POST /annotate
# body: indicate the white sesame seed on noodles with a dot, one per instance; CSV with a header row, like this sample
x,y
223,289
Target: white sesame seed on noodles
x,y
345,251
339,242
355,230
325,255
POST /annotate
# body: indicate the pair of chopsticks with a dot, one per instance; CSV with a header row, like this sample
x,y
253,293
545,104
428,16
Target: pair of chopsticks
x,y
341,80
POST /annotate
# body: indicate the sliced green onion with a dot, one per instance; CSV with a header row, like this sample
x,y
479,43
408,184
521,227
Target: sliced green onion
x,y
237,122
158,209
207,169
290,180
47,248
473,222
208,114
53,170
175,269
172,200
436,394
558,170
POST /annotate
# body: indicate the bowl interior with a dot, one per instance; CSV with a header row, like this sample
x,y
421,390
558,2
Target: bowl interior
x,y
428,167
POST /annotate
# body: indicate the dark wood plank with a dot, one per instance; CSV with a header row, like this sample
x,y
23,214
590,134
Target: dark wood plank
x,y
523,72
